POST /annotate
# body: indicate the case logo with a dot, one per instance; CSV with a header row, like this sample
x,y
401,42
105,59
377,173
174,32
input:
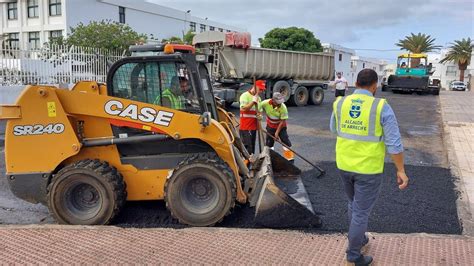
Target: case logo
x,y
145,114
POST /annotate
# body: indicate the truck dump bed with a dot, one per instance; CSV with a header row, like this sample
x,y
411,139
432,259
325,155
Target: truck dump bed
x,y
237,63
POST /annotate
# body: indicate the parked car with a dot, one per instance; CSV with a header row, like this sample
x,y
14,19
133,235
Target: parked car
x,y
457,86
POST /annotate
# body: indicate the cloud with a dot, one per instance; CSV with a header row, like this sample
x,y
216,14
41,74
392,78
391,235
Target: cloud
x,y
339,21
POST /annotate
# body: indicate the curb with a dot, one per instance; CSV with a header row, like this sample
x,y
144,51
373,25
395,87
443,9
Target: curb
x,y
465,215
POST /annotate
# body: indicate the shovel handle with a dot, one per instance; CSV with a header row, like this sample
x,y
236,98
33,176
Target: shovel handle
x,y
321,171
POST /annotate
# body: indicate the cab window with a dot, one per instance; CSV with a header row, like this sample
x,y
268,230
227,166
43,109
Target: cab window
x,y
167,84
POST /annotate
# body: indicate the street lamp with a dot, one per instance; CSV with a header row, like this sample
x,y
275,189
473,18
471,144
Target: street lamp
x,y
185,21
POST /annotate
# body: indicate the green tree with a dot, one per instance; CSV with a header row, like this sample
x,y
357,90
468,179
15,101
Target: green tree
x,y
417,44
103,34
460,53
188,37
293,39
173,39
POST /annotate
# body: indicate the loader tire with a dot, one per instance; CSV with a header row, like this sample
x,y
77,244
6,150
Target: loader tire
x,y
88,192
201,191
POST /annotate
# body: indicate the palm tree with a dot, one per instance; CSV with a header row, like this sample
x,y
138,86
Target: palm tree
x,y
460,53
417,44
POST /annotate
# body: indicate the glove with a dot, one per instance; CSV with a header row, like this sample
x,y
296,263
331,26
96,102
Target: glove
x,y
255,99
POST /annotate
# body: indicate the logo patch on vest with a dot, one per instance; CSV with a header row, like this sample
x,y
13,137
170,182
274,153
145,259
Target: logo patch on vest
x,y
356,105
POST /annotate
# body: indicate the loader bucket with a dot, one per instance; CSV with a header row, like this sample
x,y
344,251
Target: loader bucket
x,y
278,195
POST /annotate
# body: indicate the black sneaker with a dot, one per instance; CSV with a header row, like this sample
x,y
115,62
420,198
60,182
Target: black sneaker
x,y
363,260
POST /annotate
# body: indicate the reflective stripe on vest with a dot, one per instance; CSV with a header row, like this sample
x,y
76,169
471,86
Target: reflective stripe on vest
x,y
360,147
274,116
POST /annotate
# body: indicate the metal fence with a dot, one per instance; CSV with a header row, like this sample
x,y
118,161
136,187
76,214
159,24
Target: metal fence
x,y
54,65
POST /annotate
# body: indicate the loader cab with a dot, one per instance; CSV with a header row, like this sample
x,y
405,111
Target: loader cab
x,y
413,65
167,75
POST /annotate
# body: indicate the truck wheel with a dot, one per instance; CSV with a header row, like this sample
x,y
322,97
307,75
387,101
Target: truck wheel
x,y
435,92
316,96
283,87
201,190
88,192
300,97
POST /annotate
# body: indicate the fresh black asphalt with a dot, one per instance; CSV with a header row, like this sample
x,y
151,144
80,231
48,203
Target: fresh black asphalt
x,y
428,205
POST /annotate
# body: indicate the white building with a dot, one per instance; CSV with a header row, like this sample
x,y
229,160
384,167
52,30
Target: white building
x,y
449,71
358,63
342,58
33,22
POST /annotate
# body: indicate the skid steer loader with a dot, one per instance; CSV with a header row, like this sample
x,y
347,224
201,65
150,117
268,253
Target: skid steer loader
x,y
154,132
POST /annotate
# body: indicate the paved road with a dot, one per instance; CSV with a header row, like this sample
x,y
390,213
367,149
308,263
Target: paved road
x,y
428,206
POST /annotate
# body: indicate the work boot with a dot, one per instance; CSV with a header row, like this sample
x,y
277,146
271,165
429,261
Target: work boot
x,y
361,261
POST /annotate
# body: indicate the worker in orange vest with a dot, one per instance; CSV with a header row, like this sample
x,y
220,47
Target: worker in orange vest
x,y
249,111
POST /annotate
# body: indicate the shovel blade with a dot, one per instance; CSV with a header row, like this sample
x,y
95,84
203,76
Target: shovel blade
x,y
279,196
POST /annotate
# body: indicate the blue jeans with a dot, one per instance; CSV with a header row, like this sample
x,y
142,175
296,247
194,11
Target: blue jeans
x,y
362,192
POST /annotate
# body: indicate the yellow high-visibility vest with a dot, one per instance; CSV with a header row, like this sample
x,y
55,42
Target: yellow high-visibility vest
x,y
360,147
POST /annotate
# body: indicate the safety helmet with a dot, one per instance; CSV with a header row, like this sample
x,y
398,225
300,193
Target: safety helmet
x,y
260,84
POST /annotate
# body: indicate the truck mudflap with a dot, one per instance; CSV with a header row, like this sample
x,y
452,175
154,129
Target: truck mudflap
x,y
278,194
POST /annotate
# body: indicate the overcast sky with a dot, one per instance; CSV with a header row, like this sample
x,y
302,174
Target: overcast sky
x,y
368,24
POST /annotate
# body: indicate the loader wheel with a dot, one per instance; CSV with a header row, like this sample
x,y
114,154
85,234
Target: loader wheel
x,y
88,192
201,190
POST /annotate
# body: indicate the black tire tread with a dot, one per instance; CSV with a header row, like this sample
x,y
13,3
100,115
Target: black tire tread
x,y
108,174
209,158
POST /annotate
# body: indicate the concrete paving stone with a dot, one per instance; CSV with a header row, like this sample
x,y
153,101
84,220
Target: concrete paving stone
x,y
112,245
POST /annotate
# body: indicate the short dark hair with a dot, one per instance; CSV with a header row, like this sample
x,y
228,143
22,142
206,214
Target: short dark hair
x,y
367,77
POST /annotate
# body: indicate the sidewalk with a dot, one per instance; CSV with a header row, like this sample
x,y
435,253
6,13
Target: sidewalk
x,y
458,119
111,245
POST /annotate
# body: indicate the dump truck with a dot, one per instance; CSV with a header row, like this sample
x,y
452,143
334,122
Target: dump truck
x,y
412,75
299,76
153,132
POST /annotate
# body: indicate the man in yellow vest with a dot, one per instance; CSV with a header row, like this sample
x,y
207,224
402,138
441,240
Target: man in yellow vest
x,y
173,97
365,127
277,114
249,109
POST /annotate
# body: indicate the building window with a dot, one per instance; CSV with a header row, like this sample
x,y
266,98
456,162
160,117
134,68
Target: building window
x,y
12,11
33,9
55,7
203,27
221,30
451,70
122,14
340,57
34,39
54,34
14,40
192,26
211,28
